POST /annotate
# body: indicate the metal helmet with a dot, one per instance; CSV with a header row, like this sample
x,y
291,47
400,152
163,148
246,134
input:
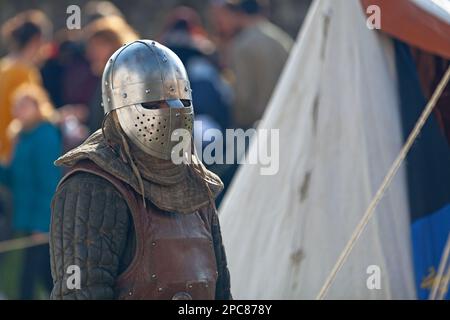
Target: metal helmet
x,y
141,72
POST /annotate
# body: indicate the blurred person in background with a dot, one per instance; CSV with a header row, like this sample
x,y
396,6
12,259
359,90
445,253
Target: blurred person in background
x,y
185,35
78,79
94,10
257,53
68,77
24,35
32,178
103,37
71,85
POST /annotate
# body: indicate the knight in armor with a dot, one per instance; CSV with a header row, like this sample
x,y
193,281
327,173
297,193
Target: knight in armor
x,y
131,221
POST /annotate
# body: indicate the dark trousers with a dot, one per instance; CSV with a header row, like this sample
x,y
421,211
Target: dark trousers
x,y
36,268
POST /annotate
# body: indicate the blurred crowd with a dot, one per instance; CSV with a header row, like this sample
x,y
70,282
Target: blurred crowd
x,y
50,96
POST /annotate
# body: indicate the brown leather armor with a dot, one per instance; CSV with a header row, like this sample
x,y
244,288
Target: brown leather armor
x,y
174,256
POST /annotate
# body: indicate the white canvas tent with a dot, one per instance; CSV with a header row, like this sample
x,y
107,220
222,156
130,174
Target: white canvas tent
x,y
336,106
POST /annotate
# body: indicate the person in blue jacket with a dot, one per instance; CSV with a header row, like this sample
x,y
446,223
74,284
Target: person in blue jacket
x,y
32,178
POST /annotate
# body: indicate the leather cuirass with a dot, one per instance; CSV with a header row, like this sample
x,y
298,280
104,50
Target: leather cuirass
x,y
174,254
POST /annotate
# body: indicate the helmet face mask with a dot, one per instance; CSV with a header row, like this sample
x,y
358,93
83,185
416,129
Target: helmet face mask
x,y
151,130
147,85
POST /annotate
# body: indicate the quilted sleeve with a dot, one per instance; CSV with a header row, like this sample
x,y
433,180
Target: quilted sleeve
x,y
89,227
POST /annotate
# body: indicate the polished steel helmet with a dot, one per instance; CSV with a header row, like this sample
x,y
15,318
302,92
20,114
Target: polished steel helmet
x,y
140,73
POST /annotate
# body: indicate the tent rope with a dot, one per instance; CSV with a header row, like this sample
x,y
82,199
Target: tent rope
x,y
441,283
444,285
384,186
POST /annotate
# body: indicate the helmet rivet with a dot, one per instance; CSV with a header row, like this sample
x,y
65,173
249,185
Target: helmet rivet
x,y
186,89
101,104
109,99
177,115
147,91
153,43
124,95
106,83
111,60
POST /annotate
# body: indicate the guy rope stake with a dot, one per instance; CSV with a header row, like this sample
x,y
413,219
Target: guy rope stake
x,y
384,186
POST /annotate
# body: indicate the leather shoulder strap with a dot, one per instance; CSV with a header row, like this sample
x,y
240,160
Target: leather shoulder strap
x,y
90,167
